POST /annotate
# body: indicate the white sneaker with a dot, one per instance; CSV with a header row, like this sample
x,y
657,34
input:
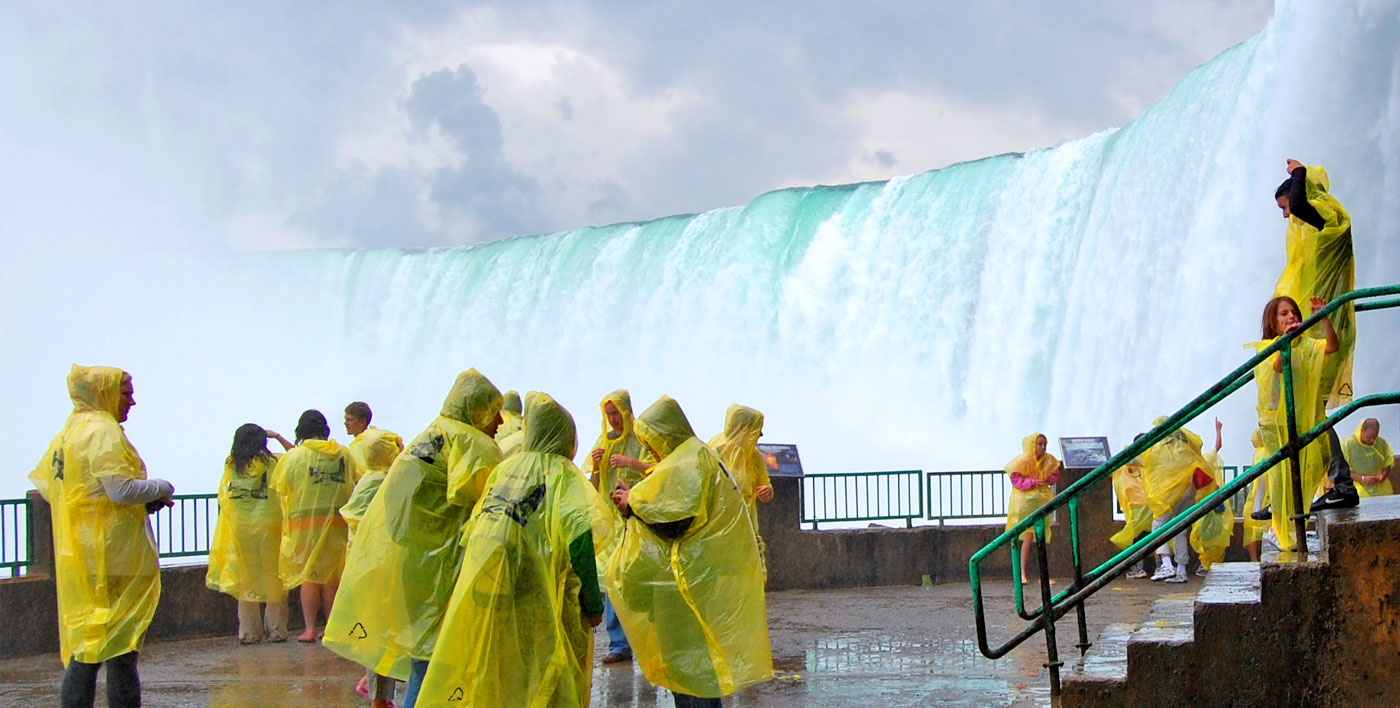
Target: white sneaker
x,y
1163,572
1179,576
1136,573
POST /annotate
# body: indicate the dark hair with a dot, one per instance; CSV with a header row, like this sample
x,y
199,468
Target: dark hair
x,y
1268,326
1282,190
360,410
312,426
249,442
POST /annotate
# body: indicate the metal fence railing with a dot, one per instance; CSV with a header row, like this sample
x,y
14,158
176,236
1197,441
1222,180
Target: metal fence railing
x,y
862,496
186,529
956,496
16,546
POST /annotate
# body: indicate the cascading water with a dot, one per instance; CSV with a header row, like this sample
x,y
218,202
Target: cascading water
x,y
926,322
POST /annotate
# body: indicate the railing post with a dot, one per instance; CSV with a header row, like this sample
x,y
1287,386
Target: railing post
x,y
1300,519
1084,642
1047,609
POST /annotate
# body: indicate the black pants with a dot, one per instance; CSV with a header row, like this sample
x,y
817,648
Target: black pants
x,y
123,683
1338,470
684,701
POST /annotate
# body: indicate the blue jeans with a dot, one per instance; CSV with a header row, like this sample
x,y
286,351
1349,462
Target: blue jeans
x,y
684,701
415,681
617,641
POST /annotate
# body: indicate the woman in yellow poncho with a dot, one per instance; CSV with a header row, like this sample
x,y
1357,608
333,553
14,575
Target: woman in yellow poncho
x,y
1034,474
107,576
313,480
512,417
1282,315
243,556
617,455
1371,459
686,580
407,551
738,450
520,622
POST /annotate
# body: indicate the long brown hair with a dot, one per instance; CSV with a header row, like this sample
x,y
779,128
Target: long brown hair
x,y
1269,325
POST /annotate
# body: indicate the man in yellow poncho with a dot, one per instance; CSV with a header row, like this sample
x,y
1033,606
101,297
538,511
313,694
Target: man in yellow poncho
x,y
374,450
1173,473
407,550
738,450
519,628
1321,267
512,417
1034,474
313,480
686,580
243,556
616,456
1371,459
104,555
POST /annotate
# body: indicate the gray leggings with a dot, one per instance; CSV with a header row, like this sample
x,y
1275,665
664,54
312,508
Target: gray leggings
x,y
123,683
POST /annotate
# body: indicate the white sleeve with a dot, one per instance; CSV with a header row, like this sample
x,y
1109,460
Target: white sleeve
x,y
126,490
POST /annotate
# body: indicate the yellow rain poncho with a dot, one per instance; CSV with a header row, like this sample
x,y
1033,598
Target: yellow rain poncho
x,y
1257,498
612,442
374,451
1168,468
313,480
1321,264
737,447
243,557
1032,484
686,580
516,626
512,419
1132,499
105,557
1309,357
1368,461
407,551
1211,534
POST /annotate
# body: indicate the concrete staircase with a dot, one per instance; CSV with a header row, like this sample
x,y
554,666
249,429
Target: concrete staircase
x,y
1315,630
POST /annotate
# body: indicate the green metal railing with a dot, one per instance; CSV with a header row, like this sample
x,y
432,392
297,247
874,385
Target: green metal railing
x,y
957,496
862,496
16,543
186,529
1086,583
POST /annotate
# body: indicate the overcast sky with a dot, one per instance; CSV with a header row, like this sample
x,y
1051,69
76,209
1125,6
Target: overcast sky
x,y
279,125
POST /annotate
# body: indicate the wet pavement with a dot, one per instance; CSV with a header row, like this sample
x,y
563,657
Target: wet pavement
x,y
888,647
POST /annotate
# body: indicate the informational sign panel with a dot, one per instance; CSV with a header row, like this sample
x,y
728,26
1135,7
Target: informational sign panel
x,y
1084,453
782,459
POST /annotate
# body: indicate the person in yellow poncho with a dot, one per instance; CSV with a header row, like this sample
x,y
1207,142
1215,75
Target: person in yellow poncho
x,y
686,580
1132,499
617,455
105,560
374,451
738,450
520,622
407,551
1321,267
1034,474
1281,315
313,480
512,417
243,556
1174,471
1371,459
1211,533
1256,500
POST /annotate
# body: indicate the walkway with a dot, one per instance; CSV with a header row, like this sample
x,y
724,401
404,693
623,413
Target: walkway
x,y
870,647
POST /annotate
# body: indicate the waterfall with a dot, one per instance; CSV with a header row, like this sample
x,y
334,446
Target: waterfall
x,y
929,321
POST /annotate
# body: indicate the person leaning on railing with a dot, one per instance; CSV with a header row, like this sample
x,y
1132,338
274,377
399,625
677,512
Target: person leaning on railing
x,y
108,577
1034,474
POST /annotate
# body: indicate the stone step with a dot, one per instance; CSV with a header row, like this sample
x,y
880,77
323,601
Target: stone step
x,y
1099,679
1161,653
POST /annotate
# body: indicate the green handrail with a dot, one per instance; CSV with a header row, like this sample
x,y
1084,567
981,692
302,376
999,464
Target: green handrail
x,y
1085,584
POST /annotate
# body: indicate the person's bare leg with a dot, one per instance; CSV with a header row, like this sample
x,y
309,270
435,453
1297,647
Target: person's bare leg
x,y
1253,549
1025,558
310,608
328,598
